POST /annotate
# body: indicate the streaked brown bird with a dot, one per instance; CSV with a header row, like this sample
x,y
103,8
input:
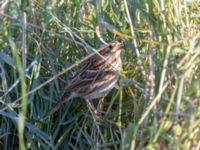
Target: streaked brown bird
x,y
97,77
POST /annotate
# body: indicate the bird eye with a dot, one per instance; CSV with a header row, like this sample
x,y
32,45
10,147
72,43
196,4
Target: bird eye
x,y
110,46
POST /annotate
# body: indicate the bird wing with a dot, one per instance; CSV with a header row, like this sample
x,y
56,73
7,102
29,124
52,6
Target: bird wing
x,y
84,79
81,83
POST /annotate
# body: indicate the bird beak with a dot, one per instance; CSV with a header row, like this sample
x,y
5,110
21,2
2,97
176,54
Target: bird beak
x,y
118,46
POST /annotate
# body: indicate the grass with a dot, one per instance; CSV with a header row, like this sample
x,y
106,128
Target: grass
x,y
157,102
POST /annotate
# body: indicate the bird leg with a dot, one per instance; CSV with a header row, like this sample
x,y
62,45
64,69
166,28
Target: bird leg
x,y
93,112
91,108
100,106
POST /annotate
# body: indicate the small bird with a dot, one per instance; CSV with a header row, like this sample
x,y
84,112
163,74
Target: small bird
x,y
97,77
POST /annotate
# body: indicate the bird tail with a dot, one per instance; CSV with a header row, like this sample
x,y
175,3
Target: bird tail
x,y
53,109
65,96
